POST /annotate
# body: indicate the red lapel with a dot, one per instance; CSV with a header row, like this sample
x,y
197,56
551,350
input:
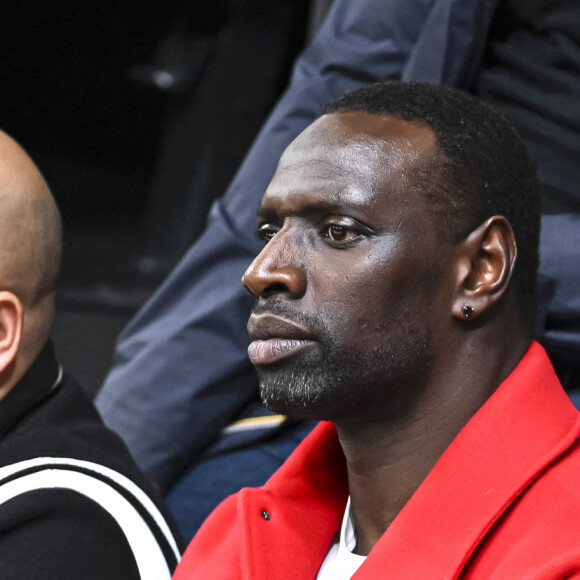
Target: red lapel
x,y
526,424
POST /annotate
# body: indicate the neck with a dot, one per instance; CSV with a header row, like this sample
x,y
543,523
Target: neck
x,y
9,377
387,459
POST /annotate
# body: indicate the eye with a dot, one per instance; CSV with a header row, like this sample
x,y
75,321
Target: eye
x,y
340,233
267,231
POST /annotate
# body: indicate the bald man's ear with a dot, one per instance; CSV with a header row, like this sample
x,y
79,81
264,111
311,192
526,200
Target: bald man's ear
x,y
485,264
11,321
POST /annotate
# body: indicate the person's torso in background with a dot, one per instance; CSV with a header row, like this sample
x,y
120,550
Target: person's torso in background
x,y
531,74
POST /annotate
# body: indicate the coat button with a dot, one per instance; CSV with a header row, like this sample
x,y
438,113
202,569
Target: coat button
x,y
265,515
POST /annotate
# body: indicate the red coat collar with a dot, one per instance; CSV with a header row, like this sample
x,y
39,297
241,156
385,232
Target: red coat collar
x,y
524,426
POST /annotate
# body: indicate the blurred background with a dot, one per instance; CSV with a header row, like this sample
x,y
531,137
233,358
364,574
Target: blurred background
x,y
138,113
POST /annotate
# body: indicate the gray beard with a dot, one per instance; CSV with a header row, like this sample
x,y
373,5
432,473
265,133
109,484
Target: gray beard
x,y
331,382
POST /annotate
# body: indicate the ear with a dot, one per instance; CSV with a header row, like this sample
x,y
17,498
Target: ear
x,y
11,322
485,264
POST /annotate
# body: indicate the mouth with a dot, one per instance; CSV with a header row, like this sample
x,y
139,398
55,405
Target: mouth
x,y
275,339
275,350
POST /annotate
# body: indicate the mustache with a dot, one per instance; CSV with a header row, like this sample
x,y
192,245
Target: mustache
x,y
284,310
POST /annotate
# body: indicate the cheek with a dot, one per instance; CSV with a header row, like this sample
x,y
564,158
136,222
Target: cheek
x,y
371,293
353,304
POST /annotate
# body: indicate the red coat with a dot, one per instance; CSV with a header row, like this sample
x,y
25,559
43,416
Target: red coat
x,y
502,502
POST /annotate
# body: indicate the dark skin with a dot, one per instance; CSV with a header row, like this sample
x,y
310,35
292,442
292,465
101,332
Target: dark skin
x,y
350,247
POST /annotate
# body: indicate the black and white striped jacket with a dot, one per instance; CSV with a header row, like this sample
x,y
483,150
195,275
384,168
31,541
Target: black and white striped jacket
x,y
72,502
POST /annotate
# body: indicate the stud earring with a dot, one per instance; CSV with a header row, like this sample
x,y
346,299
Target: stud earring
x,y
467,311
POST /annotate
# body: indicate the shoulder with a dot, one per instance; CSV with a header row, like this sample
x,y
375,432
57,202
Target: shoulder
x,y
60,455
538,535
76,512
558,486
217,550
67,425
91,507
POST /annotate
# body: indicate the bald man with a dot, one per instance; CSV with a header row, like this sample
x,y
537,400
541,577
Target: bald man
x,y
72,502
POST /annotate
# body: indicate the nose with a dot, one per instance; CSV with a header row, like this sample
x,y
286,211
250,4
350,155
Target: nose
x,y
276,269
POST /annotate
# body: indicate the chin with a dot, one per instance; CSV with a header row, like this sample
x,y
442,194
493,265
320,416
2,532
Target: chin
x,y
305,396
293,396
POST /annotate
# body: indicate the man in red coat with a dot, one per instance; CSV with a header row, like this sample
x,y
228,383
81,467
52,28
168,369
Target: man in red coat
x,y
395,298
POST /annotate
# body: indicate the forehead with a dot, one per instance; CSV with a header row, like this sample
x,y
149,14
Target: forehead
x,y
350,159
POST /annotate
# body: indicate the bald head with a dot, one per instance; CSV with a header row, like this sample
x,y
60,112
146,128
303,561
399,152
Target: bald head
x,y
30,244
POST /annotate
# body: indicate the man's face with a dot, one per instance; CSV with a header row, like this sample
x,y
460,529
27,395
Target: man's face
x,y
348,285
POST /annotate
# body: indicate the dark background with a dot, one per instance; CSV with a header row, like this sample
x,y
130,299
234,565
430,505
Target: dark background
x,y
138,114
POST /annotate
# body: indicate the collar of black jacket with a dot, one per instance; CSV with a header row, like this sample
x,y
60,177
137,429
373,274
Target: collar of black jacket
x,y
41,379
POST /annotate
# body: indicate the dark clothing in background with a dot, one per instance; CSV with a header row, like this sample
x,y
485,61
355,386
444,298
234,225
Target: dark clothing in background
x,y
72,502
531,74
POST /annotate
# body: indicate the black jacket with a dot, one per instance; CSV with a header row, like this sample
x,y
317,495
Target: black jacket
x,y
73,504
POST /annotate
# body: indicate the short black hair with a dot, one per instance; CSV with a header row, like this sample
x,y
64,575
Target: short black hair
x,y
485,169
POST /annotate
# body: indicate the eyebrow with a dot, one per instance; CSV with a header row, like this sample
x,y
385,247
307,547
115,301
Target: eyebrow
x,y
319,206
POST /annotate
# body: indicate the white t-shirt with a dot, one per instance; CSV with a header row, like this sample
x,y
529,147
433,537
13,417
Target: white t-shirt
x,y
340,563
